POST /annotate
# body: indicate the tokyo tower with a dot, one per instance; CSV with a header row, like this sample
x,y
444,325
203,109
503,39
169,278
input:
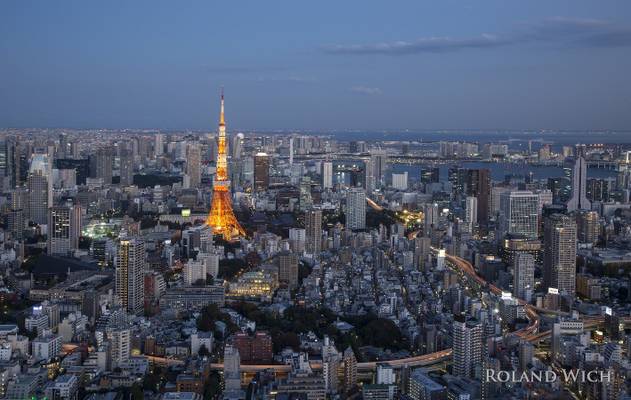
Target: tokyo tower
x,y
221,217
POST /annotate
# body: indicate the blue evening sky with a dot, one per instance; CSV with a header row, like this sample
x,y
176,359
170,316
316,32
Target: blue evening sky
x,y
528,64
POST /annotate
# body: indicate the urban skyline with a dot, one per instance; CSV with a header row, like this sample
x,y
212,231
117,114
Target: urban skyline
x,y
327,263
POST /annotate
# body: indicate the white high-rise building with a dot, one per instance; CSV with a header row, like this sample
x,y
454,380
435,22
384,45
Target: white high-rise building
x,y
356,208
46,346
195,270
524,275
130,266
297,239
467,347
519,213
327,175
440,259
431,213
231,369
400,181
159,145
291,150
120,341
385,375
471,213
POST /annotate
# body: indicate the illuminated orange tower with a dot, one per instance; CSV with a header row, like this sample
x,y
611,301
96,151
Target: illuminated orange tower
x,y
221,217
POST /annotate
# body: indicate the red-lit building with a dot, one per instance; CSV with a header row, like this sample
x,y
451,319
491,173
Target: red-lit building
x,y
253,349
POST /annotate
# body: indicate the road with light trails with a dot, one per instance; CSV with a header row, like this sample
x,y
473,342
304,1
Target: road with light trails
x,y
529,333
417,361
373,204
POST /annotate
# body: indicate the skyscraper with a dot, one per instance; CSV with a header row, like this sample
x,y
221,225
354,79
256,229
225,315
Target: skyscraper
x,y
63,146
39,187
64,229
158,146
356,208
130,266
221,217
313,231
471,213
193,165
379,164
261,171
327,175
467,346
524,275
126,165
458,178
13,156
430,175
16,218
430,215
559,258
519,213
288,269
579,200
236,149
478,185
101,164
588,226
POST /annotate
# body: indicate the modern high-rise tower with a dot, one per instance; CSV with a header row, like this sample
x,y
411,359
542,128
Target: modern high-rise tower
x,y
327,175
559,260
523,275
130,268
221,217
64,229
313,231
519,213
261,171
467,346
579,200
193,165
356,208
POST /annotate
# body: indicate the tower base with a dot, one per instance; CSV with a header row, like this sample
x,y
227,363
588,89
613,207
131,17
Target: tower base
x,y
221,217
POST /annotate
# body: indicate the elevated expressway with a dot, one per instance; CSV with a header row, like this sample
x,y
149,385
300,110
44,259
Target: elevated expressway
x,y
430,360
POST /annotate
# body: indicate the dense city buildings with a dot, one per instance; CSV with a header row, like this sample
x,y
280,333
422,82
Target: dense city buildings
x,y
147,253
199,252
282,275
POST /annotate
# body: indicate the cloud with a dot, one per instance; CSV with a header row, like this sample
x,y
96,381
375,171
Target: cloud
x,y
288,78
369,91
422,45
560,30
233,69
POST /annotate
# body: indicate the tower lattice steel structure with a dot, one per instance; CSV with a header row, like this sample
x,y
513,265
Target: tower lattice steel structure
x,y
221,217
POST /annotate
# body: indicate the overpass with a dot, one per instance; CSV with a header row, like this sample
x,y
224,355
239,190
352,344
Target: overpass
x,y
529,333
426,360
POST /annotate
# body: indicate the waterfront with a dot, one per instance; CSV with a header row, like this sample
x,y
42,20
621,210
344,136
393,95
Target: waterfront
x,y
501,169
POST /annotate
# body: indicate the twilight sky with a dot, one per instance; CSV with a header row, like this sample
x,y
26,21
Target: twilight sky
x,y
287,64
